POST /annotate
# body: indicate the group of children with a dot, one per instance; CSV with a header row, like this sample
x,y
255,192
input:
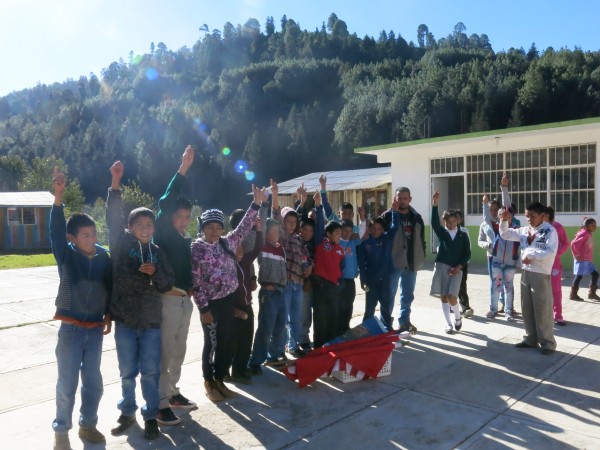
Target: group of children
x,y
308,260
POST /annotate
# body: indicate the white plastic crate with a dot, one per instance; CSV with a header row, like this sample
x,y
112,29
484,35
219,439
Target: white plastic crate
x,y
344,377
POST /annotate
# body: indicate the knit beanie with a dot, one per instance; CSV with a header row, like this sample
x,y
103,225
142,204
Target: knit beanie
x,y
212,216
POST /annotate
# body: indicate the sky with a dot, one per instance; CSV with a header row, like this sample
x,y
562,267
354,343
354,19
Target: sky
x,y
44,41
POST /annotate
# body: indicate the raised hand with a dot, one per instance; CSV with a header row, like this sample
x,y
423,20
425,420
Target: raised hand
x,y
58,182
436,197
485,199
274,187
323,182
301,191
504,180
117,170
317,198
187,159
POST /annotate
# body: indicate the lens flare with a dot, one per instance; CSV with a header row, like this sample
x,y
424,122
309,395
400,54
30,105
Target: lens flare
x,y
226,151
241,166
249,175
151,74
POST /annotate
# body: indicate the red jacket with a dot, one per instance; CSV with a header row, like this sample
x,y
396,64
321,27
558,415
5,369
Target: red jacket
x,y
328,261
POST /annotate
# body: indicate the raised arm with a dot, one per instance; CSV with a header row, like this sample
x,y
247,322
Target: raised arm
x,y
504,182
58,225
320,220
438,229
235,238
167,203
115,218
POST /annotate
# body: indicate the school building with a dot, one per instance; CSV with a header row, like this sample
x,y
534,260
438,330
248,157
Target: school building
x,y
554,163
24,218
369,188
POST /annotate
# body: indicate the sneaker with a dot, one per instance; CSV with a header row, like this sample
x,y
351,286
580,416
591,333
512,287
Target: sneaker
x,y
212,392
151,429
407,327
123,422
179,401
509,318
306,347
61,441
91,435
243,379
490,314
255,370
449,329
458,324
298,353
224,390
166,416
468,313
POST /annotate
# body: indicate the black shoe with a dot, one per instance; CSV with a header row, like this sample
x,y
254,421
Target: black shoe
x,y
179,401
123,422
524,344
458,324
561,323
306,347
547,351
166,416
151,429
407,327
298,353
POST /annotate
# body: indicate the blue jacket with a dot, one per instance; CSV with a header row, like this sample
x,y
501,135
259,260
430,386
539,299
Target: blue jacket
x,y
85,283
350,260
375,258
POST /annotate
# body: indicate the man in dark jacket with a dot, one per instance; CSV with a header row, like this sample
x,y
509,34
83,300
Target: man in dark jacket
x,y
408,254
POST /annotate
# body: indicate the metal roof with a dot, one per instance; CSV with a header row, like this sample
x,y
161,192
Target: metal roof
x,y
340,180
36,198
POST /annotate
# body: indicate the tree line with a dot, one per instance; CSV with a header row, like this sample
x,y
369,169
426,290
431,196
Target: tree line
x,y
279,101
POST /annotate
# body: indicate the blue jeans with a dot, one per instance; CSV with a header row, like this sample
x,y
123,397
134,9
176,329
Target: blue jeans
x,y
294,300
502,282
379,292
78,350
501,299
138,352
407,280
270,334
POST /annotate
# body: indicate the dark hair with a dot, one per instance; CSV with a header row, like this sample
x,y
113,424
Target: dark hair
x,y
307,222
460,214
139,212
403,189
183,203
236,218
588,221
77,221
331,227
496,202
550,212
536,207
347,205
449,213
347,224
380,221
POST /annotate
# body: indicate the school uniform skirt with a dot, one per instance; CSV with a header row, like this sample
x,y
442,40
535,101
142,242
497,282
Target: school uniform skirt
x,y
444,284
583,268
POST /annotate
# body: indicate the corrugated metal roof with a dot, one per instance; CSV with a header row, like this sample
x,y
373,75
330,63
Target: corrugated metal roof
x,y
340,180
36,198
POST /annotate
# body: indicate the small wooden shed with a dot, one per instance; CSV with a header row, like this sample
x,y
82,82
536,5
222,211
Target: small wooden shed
x,y
24,218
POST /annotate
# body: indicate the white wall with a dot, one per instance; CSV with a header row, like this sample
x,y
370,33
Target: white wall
x,y
410,164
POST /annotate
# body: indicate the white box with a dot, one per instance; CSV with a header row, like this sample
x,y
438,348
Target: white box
x,y
344,377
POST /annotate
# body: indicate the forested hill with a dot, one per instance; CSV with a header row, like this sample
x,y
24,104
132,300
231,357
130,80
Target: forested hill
x,y
285,101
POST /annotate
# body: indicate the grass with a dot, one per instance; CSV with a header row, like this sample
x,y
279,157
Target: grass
x,y
26,261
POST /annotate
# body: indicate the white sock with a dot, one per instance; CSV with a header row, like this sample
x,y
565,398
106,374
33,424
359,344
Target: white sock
x,y
456,309
446,311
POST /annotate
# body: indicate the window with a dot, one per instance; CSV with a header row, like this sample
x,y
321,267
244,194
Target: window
x,y
561,176
21,216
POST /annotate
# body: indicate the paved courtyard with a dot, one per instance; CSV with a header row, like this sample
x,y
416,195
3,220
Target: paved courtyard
x,y
471,390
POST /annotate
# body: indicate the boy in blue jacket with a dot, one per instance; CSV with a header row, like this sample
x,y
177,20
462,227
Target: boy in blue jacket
x,y
84,291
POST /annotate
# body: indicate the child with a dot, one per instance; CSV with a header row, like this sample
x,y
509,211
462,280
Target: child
x,y
563,246
82,303
504,259
454,252
173,217
243,328
140,273
298,268
329,259
375,263
539,244
214,281
350,272
583,251
272,277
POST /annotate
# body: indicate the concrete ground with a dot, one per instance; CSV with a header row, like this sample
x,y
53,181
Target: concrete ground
x,y
470,390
